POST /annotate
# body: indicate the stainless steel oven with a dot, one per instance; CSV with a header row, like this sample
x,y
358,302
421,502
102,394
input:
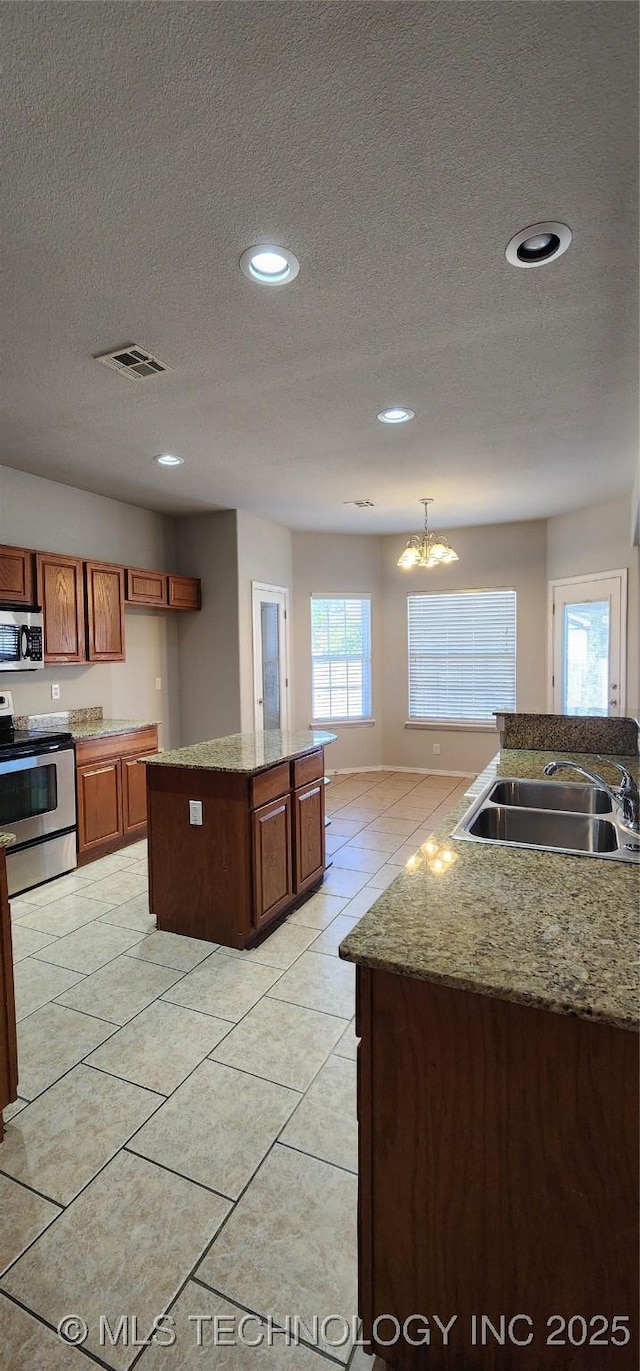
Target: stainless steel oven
x,y
21,639
37,801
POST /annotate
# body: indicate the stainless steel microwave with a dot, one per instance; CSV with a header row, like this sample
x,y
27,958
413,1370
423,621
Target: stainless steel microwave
x,y
21,634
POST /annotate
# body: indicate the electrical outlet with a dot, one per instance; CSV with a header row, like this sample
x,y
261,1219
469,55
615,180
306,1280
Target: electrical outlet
x,y
195,812
158,683
436,749
55,692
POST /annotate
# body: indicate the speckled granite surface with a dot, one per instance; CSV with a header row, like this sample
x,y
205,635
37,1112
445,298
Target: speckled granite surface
x,y
6,839
615,737
83,723
541,928
106,727
245,752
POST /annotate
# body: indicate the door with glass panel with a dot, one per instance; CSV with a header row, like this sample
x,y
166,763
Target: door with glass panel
x,y
589,647
270,679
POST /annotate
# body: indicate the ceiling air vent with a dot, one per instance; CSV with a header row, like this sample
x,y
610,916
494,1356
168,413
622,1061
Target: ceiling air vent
x,y
361,504
132,361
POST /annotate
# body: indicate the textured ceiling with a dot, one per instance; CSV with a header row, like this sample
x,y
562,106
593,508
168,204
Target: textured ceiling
x,y
395,148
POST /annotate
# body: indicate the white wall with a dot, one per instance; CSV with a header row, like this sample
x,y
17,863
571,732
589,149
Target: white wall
x,y
265,553
491,557
600,539
325,563
207,546
55,518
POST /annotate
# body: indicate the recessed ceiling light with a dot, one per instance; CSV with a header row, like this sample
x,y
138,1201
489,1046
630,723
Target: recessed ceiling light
x,y
538,244
397,414
270,265
166,459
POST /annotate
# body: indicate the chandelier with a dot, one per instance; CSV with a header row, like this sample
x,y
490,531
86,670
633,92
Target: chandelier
x,y
427,549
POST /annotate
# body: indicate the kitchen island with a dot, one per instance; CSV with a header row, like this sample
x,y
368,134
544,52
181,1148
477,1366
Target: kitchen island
x,y
497,996
236,832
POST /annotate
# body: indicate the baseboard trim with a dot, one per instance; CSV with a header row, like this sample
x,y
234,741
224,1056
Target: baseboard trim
x,y
418,770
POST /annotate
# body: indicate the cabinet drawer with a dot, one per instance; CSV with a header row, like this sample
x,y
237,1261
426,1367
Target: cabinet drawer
x,y
116,745
270,784
309,768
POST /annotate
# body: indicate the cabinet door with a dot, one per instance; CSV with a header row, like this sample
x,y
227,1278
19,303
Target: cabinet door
x,y
134,794
272,865
61,594
184,592
308,825
105,612
146,587
17,580
99,804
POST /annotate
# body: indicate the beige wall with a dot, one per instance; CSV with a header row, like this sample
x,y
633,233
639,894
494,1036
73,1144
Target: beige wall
x,y
56,518
207,546
600,539
325,563
265,553
492,556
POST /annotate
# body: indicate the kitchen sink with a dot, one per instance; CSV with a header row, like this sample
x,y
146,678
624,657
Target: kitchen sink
x,y
580,820
535,828
573,799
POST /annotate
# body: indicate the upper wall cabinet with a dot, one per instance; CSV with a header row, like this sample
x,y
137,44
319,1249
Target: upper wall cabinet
x,y
146,587
184,592
105,612
60,592
17,576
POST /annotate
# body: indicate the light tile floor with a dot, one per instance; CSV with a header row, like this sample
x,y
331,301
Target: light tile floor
x,y
185,1138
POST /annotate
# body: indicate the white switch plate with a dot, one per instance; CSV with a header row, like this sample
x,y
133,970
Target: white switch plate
x,y
195,812
158,683
55,692
436,749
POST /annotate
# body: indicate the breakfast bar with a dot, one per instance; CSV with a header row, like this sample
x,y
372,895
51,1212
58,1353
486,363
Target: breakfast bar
x,y
236,832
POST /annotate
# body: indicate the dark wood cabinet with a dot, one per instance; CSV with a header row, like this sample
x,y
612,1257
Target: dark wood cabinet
x,y
8,1037
105,612
258,850
17,576
498,1148
308,827
272,864
99,804
134,796
184,592
111,791
146,587
60,592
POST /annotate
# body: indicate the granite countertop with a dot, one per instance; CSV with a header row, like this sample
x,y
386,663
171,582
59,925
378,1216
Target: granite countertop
x,y
245,752
545,929
6,839
105,727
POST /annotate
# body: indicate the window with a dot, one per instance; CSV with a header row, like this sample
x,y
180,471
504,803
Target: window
x,y
341,656
462,655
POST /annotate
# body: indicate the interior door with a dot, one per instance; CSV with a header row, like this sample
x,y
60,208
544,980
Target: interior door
x,y
589,647
270,675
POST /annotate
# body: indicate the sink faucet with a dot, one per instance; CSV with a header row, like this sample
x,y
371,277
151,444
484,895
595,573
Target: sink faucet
x,y
627,797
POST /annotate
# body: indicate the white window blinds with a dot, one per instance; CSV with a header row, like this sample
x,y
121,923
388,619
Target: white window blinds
x,y
341,657
462,655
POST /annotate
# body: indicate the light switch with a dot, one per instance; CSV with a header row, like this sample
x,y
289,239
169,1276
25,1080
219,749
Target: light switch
x,y
158,683
55,692
436,749
195,812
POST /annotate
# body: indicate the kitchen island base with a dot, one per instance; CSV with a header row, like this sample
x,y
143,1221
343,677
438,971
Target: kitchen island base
x,y
498,1169
256,848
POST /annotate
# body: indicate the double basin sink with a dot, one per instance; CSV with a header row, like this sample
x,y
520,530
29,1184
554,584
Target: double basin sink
x,y
551,817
